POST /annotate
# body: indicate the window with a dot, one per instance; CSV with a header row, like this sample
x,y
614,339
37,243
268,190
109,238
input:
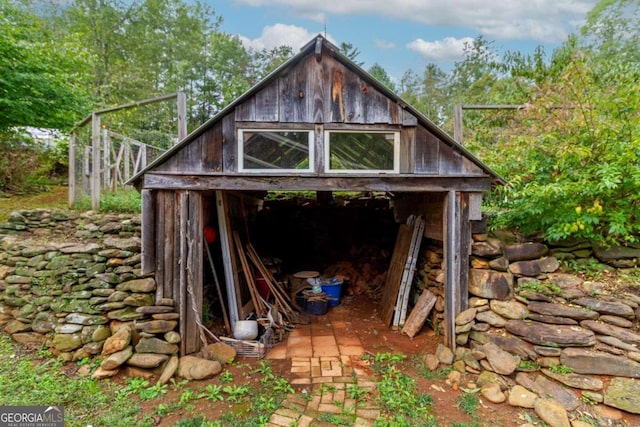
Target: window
x,y
372,151
270,150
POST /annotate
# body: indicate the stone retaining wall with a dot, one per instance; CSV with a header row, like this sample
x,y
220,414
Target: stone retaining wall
x,y
75,287
533,330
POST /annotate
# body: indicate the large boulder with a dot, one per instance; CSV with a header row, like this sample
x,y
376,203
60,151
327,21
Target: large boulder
x,y
534,267
525,251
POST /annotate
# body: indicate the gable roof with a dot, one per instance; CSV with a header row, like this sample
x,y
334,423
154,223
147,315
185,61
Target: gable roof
x,y
316,47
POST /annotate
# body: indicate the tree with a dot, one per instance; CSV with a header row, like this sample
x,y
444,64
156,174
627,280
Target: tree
x,y
381,75
351,52
40,78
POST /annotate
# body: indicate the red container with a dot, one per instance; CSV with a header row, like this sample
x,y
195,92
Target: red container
x,y
263,287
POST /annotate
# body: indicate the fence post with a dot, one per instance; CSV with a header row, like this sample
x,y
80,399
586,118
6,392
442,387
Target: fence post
x,y
95,164
72,169
182,115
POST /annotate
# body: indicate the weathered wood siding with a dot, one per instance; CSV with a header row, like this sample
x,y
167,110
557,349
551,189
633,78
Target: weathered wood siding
x,y
178,222
319,95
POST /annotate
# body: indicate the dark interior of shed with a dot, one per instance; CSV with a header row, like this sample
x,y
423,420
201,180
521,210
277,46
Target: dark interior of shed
x,y
345,235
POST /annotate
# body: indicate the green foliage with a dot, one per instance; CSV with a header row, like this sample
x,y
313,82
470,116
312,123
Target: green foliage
x,y
528,366
399,399
561,369
39,73
123,201
468,403
25,380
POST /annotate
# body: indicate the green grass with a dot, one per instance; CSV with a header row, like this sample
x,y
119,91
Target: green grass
x,y
27,380
123,201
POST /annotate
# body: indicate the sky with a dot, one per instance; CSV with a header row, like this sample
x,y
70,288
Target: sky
x,y
402,35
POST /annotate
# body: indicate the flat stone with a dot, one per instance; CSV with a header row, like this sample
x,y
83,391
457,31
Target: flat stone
x,y
195,368
157,326
155,309
552,320
552,413
534,296
509,309
481,327
88,248
147,360
623,393
85,319
489,248
114,360
169,370
156,345
466,316
558,392
29,339
490,284
513,345
125,314
165,316
551,335
622,334
535,267
606,307
491,318
502,362
67,342
431,361
522,397
130,244
493,393
578,381
547,351
499,264
16,326
139,299
564,281
616,320
560,310
117,342
100,373
607,413
591,362
525,251
616,252
68,328
138,285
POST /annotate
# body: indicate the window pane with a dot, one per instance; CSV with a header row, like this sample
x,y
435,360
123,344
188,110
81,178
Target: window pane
x,y
275,150
357,151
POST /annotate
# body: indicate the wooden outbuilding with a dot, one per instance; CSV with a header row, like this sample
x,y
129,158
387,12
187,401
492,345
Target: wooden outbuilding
x,y
318,123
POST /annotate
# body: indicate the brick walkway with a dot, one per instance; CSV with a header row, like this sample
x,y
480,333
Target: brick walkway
x,y
326,363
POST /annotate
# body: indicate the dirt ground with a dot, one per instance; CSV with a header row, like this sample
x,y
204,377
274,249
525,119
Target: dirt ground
x,y
376,338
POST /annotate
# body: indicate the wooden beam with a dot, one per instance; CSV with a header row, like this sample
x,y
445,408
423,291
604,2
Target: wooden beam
x,y
395,183
183,259
225,243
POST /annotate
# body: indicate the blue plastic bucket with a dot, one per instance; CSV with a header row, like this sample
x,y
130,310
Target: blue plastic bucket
x,y
333,290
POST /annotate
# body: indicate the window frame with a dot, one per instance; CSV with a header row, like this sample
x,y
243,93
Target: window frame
x,y
396,152
310,150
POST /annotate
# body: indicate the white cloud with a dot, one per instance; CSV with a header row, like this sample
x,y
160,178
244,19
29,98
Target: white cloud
x,y
280,35
445,50
540,20
383,44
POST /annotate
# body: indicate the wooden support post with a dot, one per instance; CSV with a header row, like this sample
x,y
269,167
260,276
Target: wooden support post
x,y
148,233
127,159
456,250
106,160
183,259
73,141
457,123
182,115
95,162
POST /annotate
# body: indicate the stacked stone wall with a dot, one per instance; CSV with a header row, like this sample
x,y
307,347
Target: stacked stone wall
x,y
72,283
542,330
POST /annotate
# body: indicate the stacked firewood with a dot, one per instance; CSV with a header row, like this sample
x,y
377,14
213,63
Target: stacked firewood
x,y
430,276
